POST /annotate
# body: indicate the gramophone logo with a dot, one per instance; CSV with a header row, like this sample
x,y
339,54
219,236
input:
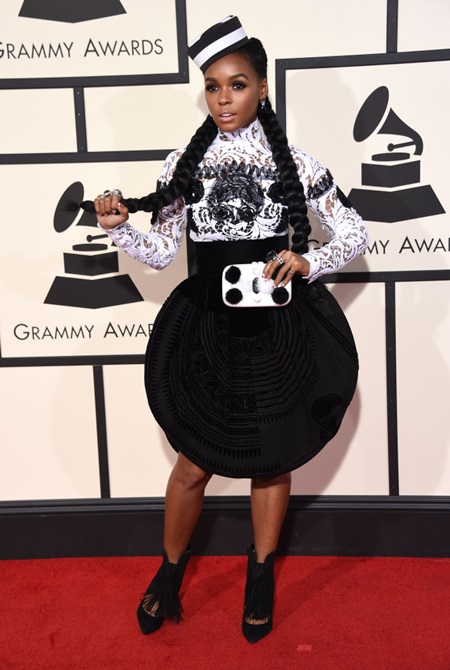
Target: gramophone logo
x,y
93,267
71,11
391,182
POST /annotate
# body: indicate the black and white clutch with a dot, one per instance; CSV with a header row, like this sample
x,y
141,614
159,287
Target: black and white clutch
x,y
244,286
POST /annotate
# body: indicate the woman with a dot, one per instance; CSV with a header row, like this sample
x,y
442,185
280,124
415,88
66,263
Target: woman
x,y
241,392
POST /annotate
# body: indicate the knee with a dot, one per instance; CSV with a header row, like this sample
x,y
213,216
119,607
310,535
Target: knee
x,y
267,482
189,475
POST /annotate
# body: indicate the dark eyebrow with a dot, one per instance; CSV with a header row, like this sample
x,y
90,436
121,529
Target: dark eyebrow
x,y
233,76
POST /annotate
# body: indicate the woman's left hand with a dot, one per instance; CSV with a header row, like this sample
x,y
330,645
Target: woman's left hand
x,y
292,264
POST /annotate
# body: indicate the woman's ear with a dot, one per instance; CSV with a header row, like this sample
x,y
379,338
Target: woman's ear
x,y
264,90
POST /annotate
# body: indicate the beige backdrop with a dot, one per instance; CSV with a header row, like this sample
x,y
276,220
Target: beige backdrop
x,y
48,427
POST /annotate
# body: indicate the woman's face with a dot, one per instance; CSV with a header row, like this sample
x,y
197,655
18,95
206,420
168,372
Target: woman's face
x,y
232,92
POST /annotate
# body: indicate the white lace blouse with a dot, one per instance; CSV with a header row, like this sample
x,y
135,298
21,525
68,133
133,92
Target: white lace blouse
x,y
236,194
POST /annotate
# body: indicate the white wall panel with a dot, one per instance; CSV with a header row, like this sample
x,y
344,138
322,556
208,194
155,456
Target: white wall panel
x,y
423,25
423,336
32,259
143,117
37,121
310,29
79,39
324,128
140,459
49,439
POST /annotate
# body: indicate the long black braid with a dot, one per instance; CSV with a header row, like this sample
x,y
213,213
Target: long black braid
x,y
292,186
165,195
254,52
184,170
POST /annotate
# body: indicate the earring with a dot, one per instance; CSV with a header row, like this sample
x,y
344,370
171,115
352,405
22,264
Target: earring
x,y
263,103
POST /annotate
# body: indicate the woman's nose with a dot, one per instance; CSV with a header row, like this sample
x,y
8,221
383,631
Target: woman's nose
x,y
224,97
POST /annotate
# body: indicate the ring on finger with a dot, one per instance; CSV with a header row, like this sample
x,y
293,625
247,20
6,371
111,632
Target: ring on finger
x,y
273,256
291,272
105,193
116,191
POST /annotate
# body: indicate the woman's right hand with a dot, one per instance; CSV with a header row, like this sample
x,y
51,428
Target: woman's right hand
x,y
111,212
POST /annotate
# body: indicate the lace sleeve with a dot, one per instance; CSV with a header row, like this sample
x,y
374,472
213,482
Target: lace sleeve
x,y
158,247
337,216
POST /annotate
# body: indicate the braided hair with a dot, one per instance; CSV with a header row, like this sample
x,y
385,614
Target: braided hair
x,y
165,195
254,52
292,186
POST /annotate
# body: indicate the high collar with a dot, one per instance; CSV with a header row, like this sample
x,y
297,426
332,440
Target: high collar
x,y
253,133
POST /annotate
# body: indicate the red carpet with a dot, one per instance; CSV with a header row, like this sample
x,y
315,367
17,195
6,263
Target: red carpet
x,y
331,614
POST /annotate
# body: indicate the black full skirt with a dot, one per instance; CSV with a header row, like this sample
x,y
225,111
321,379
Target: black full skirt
x,y
250,392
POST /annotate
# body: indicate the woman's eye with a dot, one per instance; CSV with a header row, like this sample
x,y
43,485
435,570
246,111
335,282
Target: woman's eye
x,y
237,85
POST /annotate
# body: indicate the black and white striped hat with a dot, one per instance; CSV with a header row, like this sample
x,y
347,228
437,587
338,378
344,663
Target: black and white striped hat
x,y
221,39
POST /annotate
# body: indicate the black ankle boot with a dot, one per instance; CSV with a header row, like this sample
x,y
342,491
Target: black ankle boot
x,y
259,594
161,600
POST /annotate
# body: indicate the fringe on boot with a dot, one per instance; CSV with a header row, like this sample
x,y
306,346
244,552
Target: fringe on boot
x,y
161,600
259,596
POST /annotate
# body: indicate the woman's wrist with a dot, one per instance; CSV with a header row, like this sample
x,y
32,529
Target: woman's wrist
x,y
109,227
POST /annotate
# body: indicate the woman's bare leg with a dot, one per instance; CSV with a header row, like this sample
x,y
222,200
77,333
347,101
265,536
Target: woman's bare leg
x,y
184,500
269,501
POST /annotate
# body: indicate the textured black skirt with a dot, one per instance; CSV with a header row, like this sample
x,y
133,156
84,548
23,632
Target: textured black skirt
x,y
248,392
